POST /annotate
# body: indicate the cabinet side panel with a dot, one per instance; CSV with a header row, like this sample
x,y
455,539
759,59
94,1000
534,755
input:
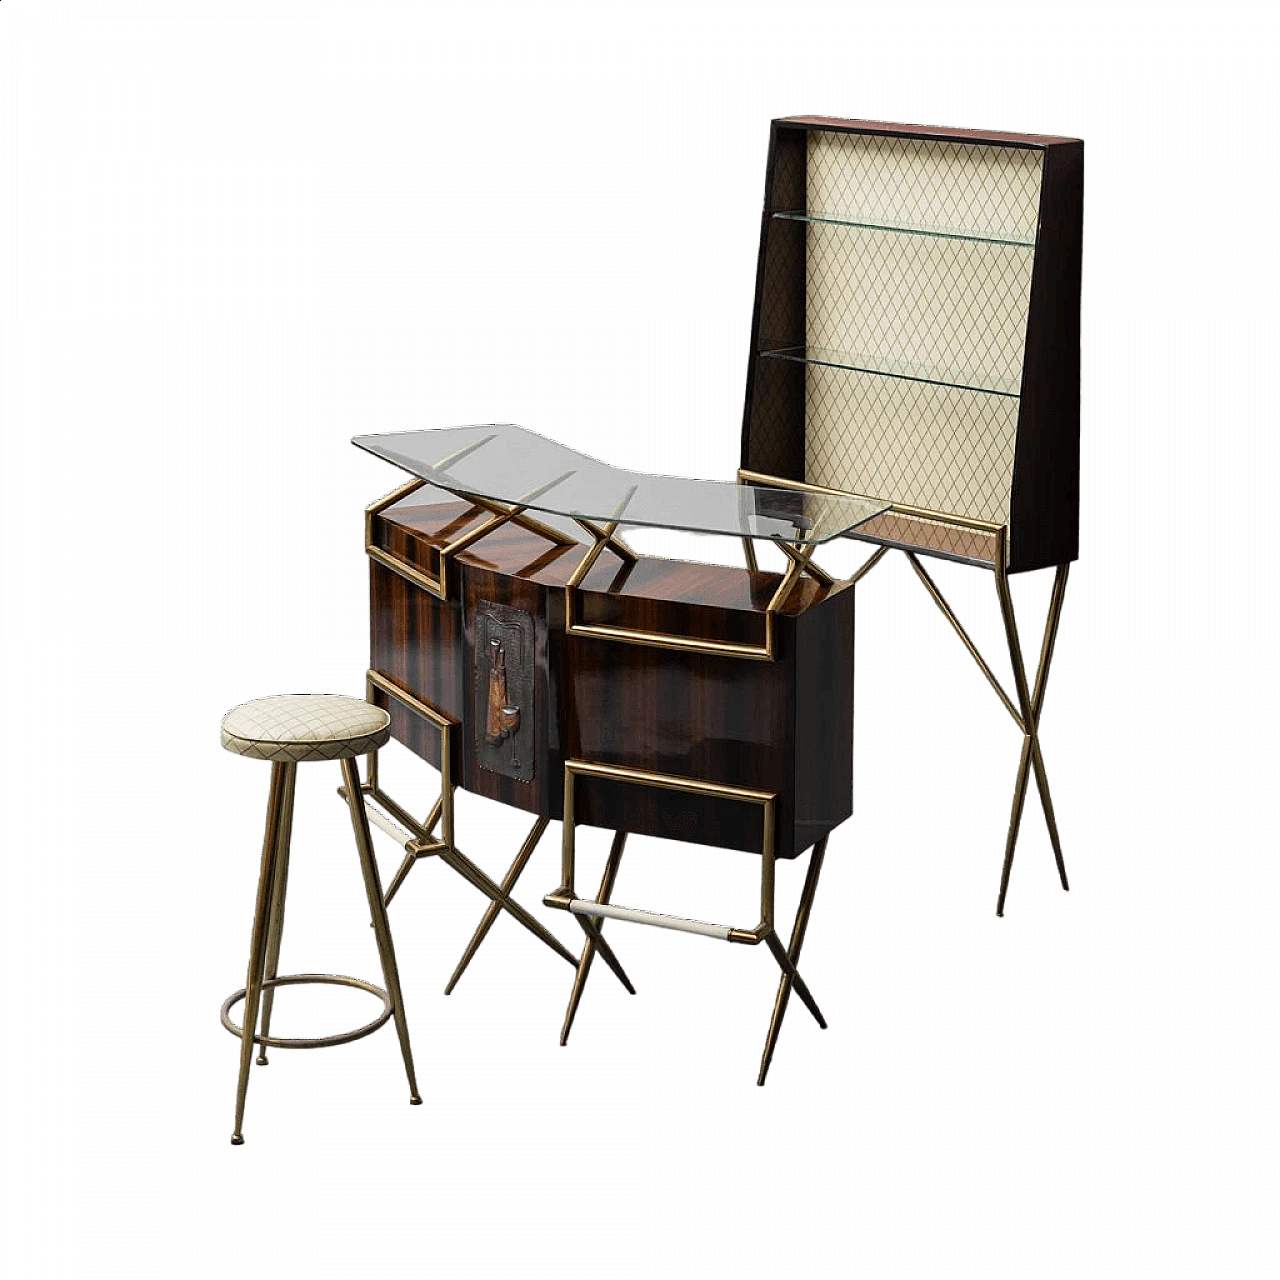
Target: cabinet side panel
x,y
773,422
416,642
824,717
1045,515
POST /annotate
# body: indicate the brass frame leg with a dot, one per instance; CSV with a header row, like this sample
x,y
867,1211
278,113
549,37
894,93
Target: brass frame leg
x,y
445,847
279,803
592,929
507,886
412,856
381,929
1026,714
468,870
789,975
276,927
1031,703
590,944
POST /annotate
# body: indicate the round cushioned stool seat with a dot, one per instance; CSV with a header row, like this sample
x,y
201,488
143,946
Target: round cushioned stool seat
x,y
305,726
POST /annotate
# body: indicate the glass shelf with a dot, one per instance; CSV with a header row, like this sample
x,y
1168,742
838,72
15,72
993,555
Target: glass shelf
x,y
904,369
1009,238
508,464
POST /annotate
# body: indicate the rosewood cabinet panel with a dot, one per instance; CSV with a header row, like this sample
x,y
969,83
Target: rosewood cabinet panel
x,y
496,657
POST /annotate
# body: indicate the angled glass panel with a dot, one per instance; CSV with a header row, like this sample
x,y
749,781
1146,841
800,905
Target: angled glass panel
x,y
910,371
510,465
870,222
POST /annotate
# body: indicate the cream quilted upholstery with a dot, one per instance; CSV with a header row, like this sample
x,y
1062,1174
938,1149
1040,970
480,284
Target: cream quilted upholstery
x,y
952,310
305,726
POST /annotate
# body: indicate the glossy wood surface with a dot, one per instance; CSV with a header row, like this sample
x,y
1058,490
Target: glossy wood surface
x,y
948,542
923,131
822,757
1044,515
417,645
782,726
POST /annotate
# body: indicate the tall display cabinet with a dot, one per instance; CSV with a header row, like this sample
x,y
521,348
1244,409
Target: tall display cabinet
x,y
916,340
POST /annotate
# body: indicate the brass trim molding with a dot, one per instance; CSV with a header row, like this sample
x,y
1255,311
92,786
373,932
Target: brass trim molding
x,y
443,810
565,898
592,915
500,513
799,562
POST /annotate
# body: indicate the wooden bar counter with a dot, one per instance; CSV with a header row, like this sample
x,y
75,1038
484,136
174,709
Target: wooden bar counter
x,y
781,726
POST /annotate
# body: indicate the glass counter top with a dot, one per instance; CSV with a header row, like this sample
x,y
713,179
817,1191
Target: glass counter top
x,y
507,464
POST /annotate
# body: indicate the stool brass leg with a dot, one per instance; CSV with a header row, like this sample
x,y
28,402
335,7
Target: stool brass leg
x,y
282,777
381,929
589,943
276,926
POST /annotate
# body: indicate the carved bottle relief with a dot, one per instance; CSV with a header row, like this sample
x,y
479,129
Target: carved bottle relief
x,y
497,691
504,658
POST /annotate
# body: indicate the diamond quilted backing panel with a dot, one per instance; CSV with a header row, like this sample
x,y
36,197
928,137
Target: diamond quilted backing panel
x,y
989,191
953,307
934,447
957,309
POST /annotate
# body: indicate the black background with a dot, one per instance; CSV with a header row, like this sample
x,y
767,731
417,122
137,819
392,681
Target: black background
x,y
597,286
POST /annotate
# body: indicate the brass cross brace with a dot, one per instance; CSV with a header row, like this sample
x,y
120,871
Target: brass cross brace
x,y
1026,714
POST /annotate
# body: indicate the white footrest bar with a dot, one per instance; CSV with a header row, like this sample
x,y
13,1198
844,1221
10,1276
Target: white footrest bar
x,y
583,907
387,824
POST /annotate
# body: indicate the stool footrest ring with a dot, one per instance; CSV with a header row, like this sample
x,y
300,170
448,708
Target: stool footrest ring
x,y
314,1042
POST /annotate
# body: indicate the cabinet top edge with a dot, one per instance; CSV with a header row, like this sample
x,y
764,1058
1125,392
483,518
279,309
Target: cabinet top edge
x,y
925,132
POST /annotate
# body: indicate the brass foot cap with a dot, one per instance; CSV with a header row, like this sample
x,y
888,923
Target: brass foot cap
x,y
262,1062
415,1101
237,1140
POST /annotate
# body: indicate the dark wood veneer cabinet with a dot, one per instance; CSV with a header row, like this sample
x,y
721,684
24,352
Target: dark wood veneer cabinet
x,y
780,725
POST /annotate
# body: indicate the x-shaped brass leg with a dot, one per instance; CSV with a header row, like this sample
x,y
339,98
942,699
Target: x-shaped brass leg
x,y
469,871
426,844
420,841
1031,703
593,941
802,558
507,887
790,977
1026,714
796,554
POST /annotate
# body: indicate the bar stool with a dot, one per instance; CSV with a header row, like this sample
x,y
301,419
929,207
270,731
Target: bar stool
x,y
288,729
